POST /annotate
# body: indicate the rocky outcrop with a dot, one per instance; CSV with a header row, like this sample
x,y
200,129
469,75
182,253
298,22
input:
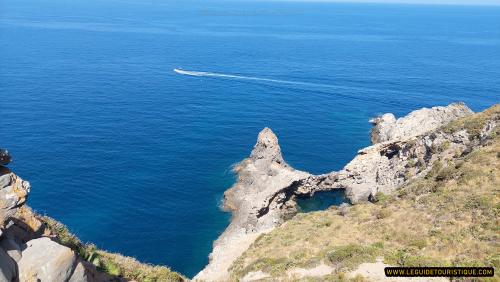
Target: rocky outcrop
x,y
386,166
26,251
387,127
264,195
13,193
258,202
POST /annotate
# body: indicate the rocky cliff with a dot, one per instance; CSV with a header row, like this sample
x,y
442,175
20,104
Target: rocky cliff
x,y
258,202
265,193
445,213
38,248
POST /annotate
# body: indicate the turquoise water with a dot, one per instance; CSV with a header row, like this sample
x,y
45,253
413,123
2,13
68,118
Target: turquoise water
x,y
322,201
135,157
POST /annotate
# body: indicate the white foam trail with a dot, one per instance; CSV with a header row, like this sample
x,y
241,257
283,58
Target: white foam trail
x,y
290,82
213,74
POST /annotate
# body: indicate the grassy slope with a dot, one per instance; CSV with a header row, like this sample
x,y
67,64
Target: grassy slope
x,y
115,265
448,218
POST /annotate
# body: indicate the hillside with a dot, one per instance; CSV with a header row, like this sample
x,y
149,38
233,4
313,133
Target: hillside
x,y
447,216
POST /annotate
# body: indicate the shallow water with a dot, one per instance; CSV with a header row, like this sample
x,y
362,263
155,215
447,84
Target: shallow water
x,y
322,200
135,157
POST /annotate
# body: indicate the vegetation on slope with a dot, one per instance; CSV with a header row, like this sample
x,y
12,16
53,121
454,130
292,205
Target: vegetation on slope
x,y
448,218
113,264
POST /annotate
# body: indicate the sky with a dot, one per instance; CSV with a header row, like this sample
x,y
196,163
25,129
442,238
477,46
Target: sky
x,y
456,2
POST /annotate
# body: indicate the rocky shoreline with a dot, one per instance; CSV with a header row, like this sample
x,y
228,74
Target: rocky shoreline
x,y
34,247
264,194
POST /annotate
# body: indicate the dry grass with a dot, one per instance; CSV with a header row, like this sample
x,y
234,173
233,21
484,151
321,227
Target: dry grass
x,y
113,264
473,124
449,218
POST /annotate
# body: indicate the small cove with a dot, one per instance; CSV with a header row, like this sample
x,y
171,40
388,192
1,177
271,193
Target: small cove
x,y
321,200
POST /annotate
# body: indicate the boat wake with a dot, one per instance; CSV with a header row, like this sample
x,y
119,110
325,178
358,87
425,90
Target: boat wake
x,y
241,77
296,83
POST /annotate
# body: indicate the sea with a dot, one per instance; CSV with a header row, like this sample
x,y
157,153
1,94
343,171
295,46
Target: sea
x,y
134,156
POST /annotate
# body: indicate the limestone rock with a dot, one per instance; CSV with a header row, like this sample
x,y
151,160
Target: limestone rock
x,y
264,194
267,150
46,260
388,128
13,193
259,200
24,225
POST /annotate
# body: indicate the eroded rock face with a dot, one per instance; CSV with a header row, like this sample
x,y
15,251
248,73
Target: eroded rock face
x,y
388,128
13,193
46,260
264,194
386,166
258,202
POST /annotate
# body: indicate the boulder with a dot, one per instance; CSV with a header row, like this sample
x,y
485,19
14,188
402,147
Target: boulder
x,y
45,260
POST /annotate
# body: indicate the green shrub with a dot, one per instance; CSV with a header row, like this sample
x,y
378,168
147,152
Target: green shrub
x,y
381,198
109,267
351,255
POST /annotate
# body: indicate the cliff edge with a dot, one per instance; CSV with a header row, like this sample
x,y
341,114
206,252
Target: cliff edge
x,y
264,195
443,215
423,144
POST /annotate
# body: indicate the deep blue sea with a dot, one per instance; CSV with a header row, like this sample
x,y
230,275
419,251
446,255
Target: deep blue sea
x,y
135,158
